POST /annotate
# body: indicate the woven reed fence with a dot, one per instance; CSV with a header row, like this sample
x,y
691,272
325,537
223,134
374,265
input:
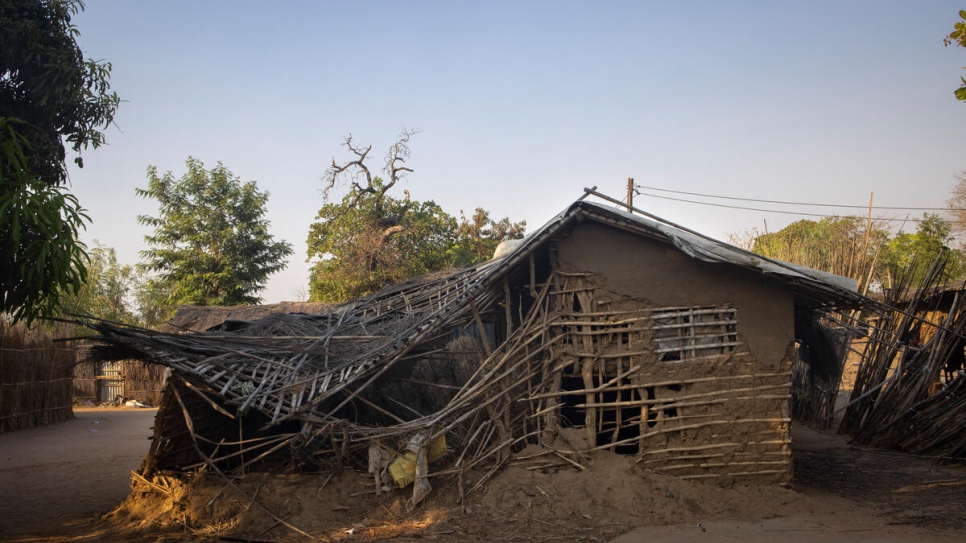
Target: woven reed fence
x,y
36,373
137,381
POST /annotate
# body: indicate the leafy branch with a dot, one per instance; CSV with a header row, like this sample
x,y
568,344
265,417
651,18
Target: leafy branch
x,y
958,37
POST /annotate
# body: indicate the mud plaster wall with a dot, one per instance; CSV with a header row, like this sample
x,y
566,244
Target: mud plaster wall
x,y
733,427
661,274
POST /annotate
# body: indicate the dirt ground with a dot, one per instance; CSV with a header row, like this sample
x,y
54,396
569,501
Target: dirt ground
x,y
54,479
53,475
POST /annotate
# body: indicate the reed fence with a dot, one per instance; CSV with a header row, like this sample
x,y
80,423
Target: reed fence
x,y
36,374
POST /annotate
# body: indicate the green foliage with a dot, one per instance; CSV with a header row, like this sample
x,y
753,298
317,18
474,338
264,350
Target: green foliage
x,y
46,82
152,301
370,240
834,244
211,244
479,236
50,97
958,37
840,245
912,255
108,290
40,257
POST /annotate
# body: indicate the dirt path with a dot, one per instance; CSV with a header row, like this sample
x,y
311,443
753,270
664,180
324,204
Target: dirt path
x,y
54,476
54,479
851,494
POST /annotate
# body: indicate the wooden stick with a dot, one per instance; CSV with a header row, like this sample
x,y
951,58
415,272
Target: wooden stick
x,y
690,427
204,457
596,389
479,325
691,449
160,489
654,401
658,405
569,461
404,406
508,301
738,474
686,457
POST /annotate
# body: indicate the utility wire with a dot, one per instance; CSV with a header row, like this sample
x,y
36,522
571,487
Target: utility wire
x,y
798,213
796,203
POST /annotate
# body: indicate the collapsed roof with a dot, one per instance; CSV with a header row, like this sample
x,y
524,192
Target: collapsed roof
x,y
310,370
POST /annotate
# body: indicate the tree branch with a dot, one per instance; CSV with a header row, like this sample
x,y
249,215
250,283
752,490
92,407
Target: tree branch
x,y
357,168
396,157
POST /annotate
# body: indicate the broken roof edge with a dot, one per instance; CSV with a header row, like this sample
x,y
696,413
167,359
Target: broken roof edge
x,y
195,318
823,288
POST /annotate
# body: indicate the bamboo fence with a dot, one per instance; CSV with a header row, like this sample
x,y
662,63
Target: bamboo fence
x,y
36,370
136,380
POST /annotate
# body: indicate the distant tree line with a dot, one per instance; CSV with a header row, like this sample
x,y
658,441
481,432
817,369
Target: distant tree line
x,y
211,244
868,250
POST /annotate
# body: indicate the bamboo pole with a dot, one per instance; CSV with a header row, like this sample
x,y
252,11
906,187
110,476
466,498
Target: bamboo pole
x,y
654,433
674,405
659,401
736,474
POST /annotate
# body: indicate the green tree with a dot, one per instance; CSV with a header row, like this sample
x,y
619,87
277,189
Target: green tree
x,y
847,246
109,290
913,254
45,82
370,239
211,244
50,98
958,37
479,236
152,301
40,257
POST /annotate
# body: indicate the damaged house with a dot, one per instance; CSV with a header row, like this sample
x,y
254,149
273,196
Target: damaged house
x,y
602,330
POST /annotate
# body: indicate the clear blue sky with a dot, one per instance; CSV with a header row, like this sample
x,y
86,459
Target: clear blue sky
x,y
522,104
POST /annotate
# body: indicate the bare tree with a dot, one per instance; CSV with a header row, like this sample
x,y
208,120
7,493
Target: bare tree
x,y
370,239
364,185
957,207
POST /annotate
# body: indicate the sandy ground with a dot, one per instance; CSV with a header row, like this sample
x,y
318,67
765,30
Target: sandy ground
x,y
53,476
55,479
850,494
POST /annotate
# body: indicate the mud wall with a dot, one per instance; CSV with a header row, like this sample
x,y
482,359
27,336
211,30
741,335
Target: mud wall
x,y
649,270
721,417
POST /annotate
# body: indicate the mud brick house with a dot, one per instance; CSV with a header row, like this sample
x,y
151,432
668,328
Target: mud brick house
x,y
602,330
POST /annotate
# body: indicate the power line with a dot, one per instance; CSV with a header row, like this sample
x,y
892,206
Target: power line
x,y
797,213
796,203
